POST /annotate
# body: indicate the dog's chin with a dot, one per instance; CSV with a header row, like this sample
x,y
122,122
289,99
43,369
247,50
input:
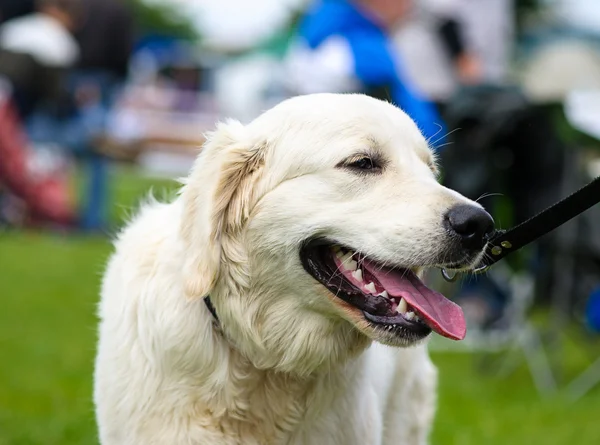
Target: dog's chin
x,y
390,305
400,336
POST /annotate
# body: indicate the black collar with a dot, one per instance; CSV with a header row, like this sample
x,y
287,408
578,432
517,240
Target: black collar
x,y
211,308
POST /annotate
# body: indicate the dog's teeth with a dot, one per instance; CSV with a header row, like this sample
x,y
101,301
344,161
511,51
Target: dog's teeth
x,y
347,257
340,254
371,288
409,315
417,318
351,265
384,294
389,328
402,306
357,274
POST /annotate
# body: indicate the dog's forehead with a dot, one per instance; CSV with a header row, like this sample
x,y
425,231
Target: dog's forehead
x,y
332,126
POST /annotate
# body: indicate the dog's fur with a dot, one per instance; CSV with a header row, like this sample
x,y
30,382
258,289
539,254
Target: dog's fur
x,y
288,362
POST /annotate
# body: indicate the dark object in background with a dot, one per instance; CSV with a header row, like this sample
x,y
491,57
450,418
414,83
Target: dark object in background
x,y
505,145
593,311
11,9
106,37
24,72
450,33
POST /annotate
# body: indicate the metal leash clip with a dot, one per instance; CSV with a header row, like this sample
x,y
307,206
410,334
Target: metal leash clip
x,y
451,278
481,269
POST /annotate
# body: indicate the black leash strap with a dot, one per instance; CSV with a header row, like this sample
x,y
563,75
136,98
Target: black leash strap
x,y
506,242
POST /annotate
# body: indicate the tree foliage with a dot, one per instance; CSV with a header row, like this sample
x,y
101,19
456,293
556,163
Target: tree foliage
x,y
163,18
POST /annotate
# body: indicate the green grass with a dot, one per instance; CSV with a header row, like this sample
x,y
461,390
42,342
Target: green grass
x,y
48,291
484,409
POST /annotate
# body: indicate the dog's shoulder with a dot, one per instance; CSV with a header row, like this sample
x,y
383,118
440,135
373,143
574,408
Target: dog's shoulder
x,y
152,225
147,244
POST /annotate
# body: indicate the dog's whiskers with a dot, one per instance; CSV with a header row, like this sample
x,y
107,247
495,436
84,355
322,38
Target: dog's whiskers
x,y
487,195
442,137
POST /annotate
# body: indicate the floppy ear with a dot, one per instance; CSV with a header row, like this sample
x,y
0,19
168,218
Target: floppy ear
x,y
216,202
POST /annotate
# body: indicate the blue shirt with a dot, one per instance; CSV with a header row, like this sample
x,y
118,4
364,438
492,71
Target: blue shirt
x,y
374,62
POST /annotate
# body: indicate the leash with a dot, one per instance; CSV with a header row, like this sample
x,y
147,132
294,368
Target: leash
x,y
505,242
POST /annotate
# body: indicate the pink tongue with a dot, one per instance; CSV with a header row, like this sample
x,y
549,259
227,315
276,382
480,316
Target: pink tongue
x,y
440,314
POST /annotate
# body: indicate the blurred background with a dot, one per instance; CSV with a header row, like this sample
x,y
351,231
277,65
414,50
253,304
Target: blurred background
x,y
102,101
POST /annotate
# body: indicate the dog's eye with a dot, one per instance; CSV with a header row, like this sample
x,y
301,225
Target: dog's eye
x,y
364,163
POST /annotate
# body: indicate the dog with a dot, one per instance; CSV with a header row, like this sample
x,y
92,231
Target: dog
x,y
277,299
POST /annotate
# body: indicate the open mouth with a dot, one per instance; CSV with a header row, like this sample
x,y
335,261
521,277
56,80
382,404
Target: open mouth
x,y
392,299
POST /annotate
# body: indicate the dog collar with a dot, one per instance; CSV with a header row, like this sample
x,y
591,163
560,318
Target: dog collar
x,y
211,308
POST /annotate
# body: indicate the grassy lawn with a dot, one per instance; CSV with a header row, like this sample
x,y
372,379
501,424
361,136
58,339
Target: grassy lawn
x,y
48,291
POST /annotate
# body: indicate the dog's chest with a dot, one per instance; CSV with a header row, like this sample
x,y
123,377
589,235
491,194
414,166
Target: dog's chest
x,y
283,411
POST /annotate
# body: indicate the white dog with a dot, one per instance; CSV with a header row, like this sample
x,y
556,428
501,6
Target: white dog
x,y
307,228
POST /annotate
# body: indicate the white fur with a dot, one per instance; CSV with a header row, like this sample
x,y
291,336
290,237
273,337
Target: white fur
x,y
289,363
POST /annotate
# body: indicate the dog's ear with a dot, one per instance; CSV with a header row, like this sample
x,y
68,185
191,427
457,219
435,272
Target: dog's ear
x,y
216,202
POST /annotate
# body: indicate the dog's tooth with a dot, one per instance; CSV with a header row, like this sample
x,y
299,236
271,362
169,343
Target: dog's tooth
x,y
358,275
402,306
371,288
351,265
340,254
347,257
409,315
384,294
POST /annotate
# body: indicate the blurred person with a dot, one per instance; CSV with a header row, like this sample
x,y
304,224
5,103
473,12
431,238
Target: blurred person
x,y
447,44
106,37
345,46
103,36
106,41
37,50
34,185
489,36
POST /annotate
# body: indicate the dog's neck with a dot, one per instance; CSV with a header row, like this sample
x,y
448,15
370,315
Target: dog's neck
x,y
307,348
285,399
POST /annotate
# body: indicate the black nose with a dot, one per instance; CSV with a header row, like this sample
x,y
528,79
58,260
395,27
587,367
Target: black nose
x,y
473,224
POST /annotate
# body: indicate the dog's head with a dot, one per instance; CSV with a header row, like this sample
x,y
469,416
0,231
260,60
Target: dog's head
x,y
309,228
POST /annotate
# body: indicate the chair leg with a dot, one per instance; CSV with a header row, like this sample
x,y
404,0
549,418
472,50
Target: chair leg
x,y
511,361
584,382
538,362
